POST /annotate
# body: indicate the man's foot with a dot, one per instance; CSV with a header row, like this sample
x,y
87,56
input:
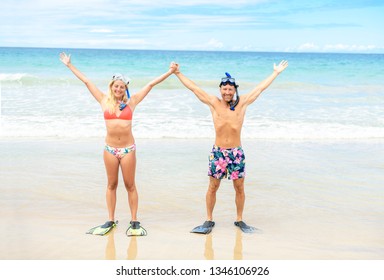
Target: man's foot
x,y
205,228
244,227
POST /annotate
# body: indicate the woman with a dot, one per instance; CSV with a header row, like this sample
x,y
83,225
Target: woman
x,y
120,149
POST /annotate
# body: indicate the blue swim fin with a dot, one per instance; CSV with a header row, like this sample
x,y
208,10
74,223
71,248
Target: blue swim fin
x,y
103,229
245,228
205,228
135,229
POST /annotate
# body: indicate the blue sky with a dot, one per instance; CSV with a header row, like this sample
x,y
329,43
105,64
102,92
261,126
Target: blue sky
x,y
253,25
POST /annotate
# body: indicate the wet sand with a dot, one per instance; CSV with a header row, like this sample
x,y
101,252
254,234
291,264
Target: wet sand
x,y
310,200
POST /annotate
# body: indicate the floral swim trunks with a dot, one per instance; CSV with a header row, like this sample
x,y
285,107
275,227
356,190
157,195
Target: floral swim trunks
x,y
227,163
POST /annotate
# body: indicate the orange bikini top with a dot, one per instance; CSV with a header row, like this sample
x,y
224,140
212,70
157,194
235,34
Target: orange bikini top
x,y
126,114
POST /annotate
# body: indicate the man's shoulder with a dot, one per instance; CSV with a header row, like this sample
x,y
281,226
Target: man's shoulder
x,y
213,100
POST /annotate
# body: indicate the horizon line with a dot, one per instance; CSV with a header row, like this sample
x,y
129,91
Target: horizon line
x,y
197,50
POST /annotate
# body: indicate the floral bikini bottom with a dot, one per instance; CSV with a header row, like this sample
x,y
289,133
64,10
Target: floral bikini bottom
x,y
119,152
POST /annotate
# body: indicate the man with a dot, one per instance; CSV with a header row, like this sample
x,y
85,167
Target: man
x,y
227,157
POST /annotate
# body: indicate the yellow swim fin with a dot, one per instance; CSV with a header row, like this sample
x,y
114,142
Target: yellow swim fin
x,y
103,229
135,229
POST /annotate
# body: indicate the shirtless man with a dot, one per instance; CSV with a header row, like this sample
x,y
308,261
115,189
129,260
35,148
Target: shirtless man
x,y
227,157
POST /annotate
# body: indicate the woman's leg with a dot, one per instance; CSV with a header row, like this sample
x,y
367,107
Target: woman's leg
x,y
128,168
112,168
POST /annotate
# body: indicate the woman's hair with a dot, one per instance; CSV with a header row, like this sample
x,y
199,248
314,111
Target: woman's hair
x,y
111,99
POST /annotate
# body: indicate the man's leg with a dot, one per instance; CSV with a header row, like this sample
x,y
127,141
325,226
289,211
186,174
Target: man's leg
x,y
210,197
238,184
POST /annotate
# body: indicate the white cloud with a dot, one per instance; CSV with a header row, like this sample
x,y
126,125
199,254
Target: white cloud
x,y
312,47
172,3
214,43
211,44
196,20
117,42
102,30
308,47
351,48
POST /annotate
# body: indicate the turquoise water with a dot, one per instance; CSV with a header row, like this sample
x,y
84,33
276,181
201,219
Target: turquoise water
x,y
319,96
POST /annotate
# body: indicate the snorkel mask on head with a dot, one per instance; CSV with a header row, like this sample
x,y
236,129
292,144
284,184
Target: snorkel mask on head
x,y
231,81
120,77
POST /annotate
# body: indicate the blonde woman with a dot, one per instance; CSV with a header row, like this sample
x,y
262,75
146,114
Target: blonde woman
x,y
120,149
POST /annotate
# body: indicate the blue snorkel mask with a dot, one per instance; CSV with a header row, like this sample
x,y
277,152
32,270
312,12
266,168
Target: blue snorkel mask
x,y
228,80
120,77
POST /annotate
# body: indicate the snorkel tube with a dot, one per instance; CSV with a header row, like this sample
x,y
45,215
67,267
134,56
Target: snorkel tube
x,y
123,105
229,80
233,104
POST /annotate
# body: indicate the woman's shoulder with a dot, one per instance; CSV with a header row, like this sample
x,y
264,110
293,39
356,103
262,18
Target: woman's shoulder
x,y
103,102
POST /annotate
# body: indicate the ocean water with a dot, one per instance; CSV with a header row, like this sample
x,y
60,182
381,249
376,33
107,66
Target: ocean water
x,y
319,96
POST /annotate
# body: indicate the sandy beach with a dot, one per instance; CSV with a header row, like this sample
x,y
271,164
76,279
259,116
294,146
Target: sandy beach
x,y
309,200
